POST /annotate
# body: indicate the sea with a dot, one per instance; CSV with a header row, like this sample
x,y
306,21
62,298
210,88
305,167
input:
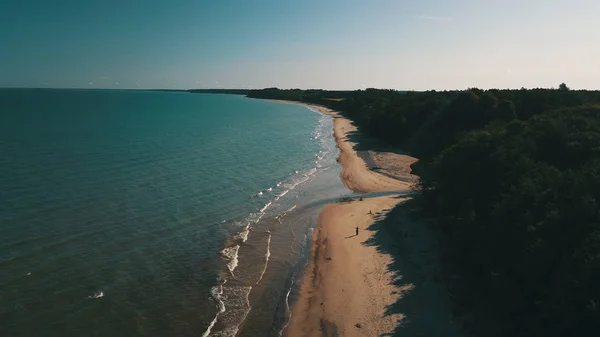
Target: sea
x,y
149,213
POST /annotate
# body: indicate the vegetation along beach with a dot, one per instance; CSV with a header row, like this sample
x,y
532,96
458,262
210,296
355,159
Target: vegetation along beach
x,y
303,168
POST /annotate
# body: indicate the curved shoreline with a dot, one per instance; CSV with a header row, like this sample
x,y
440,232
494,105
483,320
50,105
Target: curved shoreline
x,y
352,283
356,174
346,282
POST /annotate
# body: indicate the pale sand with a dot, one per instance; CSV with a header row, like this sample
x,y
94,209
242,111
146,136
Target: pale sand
x,y
346,283
356,174
349,286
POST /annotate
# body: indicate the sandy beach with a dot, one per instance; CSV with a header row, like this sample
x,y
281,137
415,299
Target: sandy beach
x,y
347,286
352,283
356,173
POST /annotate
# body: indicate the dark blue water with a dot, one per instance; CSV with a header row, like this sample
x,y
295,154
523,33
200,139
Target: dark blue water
x,y
129,213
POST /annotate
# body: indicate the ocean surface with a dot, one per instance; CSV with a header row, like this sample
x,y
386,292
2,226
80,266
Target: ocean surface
x,y
132,213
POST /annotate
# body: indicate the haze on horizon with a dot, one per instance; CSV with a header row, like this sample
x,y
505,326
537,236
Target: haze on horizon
x,y
354,44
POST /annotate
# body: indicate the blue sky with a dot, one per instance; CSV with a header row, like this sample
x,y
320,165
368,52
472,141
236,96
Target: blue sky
x,y
327,44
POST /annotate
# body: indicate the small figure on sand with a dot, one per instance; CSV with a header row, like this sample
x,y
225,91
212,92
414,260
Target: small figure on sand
x,y
370,212
361,199
356,230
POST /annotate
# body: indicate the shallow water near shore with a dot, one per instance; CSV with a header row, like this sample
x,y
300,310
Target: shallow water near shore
x,y
151,213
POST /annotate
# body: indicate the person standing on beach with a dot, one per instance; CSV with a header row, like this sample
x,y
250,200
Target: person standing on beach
x,y
356,230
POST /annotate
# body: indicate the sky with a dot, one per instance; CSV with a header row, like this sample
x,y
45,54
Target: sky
x,y
328,44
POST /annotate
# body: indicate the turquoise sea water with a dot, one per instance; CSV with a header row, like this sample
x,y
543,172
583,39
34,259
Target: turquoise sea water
x,y
127,213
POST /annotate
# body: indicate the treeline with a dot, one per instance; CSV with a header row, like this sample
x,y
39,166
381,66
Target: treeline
x,y
221,91
512,177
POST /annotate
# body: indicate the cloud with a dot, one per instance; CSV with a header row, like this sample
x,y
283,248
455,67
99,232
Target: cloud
x,y
91,83
199,82
433,18
117,83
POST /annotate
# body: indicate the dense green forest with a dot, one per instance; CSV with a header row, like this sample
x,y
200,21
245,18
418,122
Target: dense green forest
x,y
221,91
512,177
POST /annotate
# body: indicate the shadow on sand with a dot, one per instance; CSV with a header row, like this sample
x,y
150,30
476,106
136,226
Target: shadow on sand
x,y
365,146
365,143
423,300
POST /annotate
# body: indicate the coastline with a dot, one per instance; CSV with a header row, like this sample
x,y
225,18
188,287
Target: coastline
x,y
346,284
354,284
357,174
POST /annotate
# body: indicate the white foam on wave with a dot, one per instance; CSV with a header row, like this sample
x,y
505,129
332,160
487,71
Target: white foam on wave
x,y
216,292
97,294
270,189
265,207
259,217
307,176
267,255
231,255
287,309
281,194
285,213
238,306
259,193
243,234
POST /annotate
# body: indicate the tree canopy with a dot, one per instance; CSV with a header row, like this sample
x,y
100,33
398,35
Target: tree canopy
x,y
512,177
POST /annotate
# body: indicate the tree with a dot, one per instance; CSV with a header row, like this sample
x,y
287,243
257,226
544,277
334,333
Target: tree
x,y
505,111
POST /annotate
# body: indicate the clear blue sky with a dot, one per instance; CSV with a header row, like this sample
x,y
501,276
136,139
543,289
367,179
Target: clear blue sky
x,y
329,44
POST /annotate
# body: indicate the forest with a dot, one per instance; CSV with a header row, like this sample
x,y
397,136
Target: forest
x,y
512,180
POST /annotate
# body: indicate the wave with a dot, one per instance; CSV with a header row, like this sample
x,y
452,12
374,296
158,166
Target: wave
x,y
265,207
260,193
267,255
97,294
231,255
284,213
216,292
234,304
282,194
243,234
235,299
304,179
287,309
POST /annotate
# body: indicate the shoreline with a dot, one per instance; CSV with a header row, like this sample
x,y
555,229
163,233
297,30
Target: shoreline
x,y
363,284
346,286
356,174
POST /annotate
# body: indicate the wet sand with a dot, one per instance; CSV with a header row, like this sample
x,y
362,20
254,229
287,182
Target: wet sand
x,y
353,286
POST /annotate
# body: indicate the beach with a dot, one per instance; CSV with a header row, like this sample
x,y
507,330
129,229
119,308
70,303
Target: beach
x,y
357,165
350,285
